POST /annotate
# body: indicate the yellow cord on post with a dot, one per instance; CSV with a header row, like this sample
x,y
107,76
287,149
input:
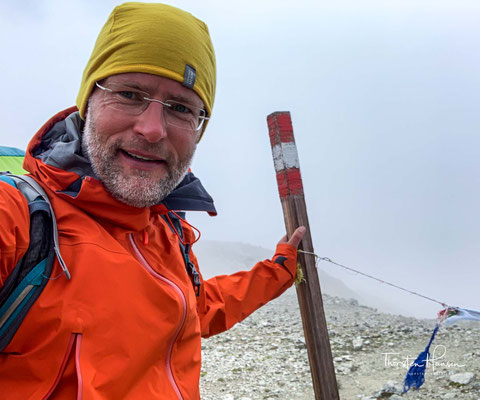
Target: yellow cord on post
x,y
299,278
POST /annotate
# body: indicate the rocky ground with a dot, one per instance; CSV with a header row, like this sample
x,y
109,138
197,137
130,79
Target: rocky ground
x,y
265,356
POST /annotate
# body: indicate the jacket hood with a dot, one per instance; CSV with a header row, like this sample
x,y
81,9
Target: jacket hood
x,y
54,156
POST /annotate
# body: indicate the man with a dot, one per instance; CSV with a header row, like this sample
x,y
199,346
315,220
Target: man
x,y
128,323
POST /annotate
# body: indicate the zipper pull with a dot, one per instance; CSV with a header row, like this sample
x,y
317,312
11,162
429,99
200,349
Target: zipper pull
x,y
195,278
192,271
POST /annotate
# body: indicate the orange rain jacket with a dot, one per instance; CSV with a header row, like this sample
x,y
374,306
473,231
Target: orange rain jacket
x,y
128,324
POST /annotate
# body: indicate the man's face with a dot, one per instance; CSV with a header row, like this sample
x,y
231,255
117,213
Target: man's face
x,y
139,158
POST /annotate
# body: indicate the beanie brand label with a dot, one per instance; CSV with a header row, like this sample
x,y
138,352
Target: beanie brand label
x,y
189,77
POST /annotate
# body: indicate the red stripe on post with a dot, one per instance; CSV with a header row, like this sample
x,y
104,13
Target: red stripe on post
x,y
272,130
282,184
289,183
280,128
285,129
294,180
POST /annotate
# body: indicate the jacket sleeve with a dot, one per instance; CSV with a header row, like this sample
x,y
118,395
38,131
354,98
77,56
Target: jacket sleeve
x,y
227,299
14,228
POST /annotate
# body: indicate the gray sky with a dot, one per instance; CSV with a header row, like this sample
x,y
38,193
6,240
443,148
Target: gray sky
x,y
384,97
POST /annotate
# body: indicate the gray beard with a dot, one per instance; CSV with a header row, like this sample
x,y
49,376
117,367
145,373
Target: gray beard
x,y
138,189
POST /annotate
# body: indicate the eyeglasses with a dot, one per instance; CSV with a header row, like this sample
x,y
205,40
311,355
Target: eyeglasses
x,y
133,101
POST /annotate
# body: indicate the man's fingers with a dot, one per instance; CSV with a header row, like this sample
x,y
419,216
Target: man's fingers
x,y
296,237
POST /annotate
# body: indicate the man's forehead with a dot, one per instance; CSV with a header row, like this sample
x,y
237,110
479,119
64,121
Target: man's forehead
x,y
157,85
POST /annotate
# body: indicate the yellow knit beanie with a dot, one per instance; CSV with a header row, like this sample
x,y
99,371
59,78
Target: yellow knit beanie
x,y
156,39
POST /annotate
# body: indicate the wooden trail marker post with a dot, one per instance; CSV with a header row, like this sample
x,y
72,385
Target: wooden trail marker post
x,y
290,187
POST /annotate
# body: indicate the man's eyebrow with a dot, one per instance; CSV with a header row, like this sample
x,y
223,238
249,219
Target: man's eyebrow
x,y
130,84
183,99
169,96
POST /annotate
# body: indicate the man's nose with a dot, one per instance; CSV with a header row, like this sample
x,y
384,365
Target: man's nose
x,y
151,123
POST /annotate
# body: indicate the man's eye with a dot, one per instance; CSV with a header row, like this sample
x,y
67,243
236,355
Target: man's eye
x,y
181,108
129,95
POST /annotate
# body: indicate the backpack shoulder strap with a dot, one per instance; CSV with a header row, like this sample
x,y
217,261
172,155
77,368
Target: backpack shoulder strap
x,y
29,277
32,190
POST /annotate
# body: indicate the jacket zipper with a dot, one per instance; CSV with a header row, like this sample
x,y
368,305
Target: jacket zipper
x,y
77,366
75,339
174,286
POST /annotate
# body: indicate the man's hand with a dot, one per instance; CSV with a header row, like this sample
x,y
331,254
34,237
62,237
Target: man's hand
x,y
296,237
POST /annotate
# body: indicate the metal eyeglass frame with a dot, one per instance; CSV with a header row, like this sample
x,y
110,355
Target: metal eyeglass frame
x,y
149,99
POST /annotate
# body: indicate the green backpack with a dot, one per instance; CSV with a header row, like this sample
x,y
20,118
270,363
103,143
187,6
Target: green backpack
x,y
11,159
